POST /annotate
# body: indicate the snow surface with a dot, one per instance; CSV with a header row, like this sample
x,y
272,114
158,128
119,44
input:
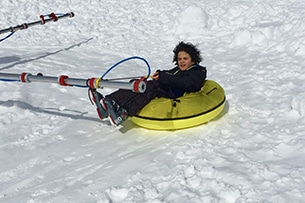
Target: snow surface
x,y
53,148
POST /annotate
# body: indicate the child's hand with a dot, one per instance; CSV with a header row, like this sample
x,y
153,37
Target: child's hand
x,y
155,76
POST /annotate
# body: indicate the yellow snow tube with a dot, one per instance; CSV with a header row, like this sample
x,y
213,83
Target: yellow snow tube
x,y
190,110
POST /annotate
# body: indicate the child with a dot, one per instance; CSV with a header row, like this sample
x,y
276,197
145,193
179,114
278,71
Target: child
x,y
188,76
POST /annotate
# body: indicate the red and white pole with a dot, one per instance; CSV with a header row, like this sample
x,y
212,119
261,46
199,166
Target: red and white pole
x,y
63,80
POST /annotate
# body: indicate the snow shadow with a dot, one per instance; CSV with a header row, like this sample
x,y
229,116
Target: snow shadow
x,y
225,110
17,60
9,59
69,113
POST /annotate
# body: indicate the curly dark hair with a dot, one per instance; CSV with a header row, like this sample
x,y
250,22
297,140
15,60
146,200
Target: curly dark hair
x,y
189,48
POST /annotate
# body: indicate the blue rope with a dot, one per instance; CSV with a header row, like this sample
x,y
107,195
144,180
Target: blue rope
x,y
7,36
9,80
127,59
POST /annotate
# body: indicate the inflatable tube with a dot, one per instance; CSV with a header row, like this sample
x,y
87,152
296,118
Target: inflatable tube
x,y
190,110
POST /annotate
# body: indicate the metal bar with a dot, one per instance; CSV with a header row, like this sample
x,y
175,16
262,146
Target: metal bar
x,y
136,86
123,85
10,76
39,22
39,78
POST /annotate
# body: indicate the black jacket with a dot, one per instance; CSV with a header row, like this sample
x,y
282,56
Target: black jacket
x,y
174,83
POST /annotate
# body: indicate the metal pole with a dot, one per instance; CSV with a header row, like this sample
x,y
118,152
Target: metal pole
x,y
51,17
136,85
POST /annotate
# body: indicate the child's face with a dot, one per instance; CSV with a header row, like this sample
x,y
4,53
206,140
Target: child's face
x,y
184,60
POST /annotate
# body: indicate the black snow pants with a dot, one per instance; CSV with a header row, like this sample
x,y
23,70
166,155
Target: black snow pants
x,y
131,101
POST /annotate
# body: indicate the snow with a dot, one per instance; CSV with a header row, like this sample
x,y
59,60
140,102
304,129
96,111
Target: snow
x,y
53,147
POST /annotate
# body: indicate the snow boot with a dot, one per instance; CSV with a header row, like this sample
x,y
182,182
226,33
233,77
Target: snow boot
x,y
98,99
117,114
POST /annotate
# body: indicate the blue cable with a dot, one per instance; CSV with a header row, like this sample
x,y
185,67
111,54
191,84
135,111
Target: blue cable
x,y
127,59
9,80
7,36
